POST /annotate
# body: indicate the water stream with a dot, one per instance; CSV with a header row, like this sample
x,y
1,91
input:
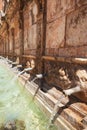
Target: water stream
x,y
16,104
56,108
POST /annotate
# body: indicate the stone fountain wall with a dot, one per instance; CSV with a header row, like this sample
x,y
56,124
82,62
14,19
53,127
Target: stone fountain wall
x,y
66,28
1,4
57,28
66,37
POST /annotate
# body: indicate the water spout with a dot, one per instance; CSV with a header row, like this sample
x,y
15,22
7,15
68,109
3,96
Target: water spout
x,y
38,76
19,66
20,73
25,70
9,61
55,110
5,60
57,105
72,90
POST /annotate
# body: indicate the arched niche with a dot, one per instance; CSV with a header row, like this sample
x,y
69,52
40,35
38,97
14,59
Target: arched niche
x,y
31,13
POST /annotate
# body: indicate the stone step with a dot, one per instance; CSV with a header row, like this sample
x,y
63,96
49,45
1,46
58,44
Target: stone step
x,y
54,92
74,118
82,107
76,109
54,100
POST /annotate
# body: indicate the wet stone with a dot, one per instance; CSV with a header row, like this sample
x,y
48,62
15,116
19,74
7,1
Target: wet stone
x,y
13,125
20,125
10,125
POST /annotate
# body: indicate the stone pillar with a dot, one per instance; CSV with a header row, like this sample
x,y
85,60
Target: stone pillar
x,y
43,47
21,27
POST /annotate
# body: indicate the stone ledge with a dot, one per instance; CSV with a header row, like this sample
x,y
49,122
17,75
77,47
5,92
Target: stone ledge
x,y
82,61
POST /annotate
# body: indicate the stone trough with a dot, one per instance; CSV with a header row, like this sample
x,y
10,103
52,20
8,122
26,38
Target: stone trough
x,y
72,113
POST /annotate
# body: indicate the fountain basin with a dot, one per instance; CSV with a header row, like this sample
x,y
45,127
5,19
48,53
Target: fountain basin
x,y
72,114
69,117
16,105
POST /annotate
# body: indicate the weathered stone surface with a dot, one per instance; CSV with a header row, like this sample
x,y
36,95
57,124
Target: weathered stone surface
x,y
66,36
68,52
52,51
56,33
66,33
57,8
1,4
81,2
1,48
76,32
30,28
73,51
65,76
30,44
14,35
82,51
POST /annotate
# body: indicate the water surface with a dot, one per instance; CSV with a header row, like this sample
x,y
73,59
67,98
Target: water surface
x,y
16,103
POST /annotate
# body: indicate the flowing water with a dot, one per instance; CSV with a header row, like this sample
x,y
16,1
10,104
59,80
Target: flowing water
x,y
55,110
16,104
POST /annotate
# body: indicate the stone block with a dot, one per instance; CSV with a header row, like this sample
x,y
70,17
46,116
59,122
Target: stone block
x,y
56,33
57,8
76,30
68,52
52,51
31,38
82,51
27,16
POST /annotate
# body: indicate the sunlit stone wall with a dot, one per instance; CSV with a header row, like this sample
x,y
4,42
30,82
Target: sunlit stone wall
x,y
66,28
66,36
57,28
30,28
1,4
